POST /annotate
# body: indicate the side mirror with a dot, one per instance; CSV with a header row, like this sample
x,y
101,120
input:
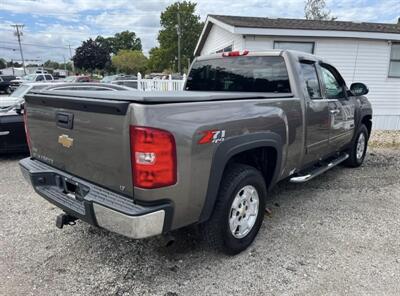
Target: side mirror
x,y
359,89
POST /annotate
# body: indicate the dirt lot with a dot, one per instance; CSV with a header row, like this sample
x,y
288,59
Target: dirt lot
x,y
336,235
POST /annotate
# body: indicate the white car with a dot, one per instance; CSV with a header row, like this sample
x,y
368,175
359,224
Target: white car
x,y
19,93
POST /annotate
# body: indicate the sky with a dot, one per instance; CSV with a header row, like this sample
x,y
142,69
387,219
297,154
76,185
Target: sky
x,y
51,26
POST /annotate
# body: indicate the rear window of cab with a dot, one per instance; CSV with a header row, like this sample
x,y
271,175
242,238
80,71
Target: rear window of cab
x,y
240,74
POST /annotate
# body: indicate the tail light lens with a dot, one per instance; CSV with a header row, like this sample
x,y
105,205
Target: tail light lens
x,y
153,156
235,53
28,137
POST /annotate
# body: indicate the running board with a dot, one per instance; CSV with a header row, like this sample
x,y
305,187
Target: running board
x,y
311,174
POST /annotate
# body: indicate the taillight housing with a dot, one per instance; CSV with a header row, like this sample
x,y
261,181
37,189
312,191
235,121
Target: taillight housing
x,y
28,138
153,157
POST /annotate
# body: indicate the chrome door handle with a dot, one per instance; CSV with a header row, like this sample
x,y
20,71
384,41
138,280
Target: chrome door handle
x,y
334,111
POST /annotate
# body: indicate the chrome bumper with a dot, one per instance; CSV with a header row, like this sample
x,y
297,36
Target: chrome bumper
x,y
96,205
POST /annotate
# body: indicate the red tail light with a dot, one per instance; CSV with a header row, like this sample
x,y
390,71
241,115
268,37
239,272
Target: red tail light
x,y
28,137
153,155
235,53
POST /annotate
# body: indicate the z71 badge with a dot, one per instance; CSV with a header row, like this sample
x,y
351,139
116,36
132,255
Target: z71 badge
x,y
212,136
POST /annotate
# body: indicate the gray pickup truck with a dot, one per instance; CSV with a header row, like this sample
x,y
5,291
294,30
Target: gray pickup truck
x,y
146,163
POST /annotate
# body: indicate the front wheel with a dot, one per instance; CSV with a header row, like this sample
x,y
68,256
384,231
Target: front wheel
x,y
239,210
359,148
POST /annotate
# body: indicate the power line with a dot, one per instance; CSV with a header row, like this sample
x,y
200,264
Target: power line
x,y
18,33
37,45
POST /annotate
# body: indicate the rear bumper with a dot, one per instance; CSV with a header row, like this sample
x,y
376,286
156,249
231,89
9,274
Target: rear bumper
x,y
96,205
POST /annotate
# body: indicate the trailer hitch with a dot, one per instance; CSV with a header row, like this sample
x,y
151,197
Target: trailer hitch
x,y
65,219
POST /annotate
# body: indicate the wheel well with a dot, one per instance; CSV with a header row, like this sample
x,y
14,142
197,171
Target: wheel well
x,y
367,121
262,158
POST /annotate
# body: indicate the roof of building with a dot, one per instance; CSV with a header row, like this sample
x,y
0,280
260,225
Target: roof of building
x,y
303,24
240,23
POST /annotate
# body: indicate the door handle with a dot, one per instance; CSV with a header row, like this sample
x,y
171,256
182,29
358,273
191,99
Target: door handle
x,y
334,111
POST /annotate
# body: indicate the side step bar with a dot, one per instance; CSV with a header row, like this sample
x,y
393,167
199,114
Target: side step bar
x,y
311,174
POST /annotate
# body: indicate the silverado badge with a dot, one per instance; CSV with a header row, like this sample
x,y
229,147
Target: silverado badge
x,y
65,141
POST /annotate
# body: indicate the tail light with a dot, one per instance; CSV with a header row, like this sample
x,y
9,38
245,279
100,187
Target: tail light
x,y
28,137
235,53
153,156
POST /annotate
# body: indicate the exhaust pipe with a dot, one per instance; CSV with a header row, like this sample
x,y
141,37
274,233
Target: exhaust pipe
x,y
65,219
168,239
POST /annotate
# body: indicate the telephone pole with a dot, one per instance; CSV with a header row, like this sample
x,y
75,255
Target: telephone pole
x,y
18,33
179,42
70,56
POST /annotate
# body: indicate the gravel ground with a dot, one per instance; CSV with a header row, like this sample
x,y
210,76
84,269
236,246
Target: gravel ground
x,y
339,234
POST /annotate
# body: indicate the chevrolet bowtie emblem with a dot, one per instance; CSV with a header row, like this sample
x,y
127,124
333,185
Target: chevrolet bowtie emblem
x,y
65,141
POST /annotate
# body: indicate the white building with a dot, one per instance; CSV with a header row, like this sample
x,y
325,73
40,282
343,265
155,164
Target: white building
x,y
362,52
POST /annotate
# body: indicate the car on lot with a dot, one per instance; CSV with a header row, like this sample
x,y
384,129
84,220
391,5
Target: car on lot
x,y
5,81
12,132
146,163
78,78
37,77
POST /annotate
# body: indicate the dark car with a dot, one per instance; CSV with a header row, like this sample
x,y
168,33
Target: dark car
x,y
12,131
5,81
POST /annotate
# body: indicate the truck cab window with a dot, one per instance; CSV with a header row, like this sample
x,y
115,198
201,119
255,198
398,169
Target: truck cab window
x,y
311,79
333,87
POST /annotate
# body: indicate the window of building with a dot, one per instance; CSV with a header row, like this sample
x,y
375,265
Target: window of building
x,y
225,49
394,67
293,45
311,79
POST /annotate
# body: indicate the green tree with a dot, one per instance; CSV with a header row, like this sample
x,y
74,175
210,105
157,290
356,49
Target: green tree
x,y
316,10
3,64
90,56
51,64
130,61
157,61
120,41
190,29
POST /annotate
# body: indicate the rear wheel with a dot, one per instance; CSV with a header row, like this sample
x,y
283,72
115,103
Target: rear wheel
x,y
239,210
359,148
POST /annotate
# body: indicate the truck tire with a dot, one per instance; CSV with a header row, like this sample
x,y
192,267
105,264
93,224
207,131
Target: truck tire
x,y
358,149
238,212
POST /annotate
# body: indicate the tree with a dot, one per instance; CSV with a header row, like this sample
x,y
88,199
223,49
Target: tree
x,y
120,41
90,56
3,64
316,10
157,61
190,28
130,61
51,64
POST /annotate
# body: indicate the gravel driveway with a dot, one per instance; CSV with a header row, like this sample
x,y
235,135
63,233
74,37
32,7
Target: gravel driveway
x,y
336,235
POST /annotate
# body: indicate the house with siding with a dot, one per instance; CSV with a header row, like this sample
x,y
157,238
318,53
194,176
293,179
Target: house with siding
x,y
362,52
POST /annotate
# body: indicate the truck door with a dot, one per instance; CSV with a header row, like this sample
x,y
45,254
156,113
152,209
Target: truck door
x,y
341,108
317,114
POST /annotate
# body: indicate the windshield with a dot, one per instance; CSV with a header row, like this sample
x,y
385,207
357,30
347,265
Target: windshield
x,y
21,91
30,77
70,79
242,74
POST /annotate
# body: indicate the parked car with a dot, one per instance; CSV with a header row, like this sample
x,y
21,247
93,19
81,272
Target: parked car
x,y
14,84
18,95
78,78
146,163
5,81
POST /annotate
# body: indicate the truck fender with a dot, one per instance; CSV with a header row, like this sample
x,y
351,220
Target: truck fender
x,y
229,148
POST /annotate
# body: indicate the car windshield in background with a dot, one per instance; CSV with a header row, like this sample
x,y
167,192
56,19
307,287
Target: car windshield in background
x,y
242,74
30,77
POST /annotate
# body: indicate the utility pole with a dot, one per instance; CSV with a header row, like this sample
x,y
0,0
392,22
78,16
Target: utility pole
x,y
179,42
18,33
72,61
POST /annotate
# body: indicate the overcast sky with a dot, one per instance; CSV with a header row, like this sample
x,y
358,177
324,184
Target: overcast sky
x,y
51,25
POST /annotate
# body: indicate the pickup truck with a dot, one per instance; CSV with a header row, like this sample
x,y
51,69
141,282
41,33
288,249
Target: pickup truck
x,y
146,163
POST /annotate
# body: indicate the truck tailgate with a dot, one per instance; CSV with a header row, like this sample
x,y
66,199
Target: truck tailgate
x,y
87,138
